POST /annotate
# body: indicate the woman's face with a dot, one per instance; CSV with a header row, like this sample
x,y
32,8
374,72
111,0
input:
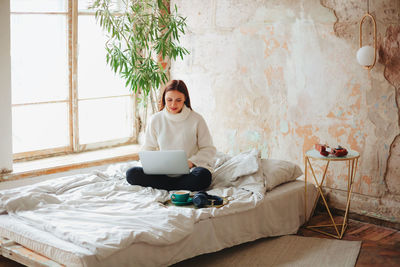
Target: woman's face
x,y
174,101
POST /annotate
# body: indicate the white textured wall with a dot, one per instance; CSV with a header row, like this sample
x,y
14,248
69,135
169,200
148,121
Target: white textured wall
x,y
281,76
5,89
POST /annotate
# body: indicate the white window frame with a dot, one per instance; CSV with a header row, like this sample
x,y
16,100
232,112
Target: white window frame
x,y
74,145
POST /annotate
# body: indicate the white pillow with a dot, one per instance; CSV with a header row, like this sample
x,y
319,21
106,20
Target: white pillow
x,y
220,158
242,164
277,172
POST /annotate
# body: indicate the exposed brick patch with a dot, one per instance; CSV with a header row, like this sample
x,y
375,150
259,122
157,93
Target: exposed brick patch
x,y
389,55
393,169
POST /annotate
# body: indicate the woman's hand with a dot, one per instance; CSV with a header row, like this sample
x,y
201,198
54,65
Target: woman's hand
x,y
190,164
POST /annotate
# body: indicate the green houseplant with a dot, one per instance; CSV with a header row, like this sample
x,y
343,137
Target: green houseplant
x,y
141,36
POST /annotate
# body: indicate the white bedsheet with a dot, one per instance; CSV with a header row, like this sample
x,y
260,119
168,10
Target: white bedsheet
x,y
101,212
280,213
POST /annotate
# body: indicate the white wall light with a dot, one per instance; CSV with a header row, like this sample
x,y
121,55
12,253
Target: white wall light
x,y
366,55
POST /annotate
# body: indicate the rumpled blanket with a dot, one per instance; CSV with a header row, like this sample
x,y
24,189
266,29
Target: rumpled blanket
x,y
100,211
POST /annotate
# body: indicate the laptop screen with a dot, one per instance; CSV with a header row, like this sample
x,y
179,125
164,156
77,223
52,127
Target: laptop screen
x,y
169,162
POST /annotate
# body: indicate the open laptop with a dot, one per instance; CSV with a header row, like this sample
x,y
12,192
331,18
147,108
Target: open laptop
x,y
169,162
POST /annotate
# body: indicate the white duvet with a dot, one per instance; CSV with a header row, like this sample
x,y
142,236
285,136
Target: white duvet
x,y
100,211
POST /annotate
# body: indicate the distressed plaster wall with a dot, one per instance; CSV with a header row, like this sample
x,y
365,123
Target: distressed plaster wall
x,y
281,76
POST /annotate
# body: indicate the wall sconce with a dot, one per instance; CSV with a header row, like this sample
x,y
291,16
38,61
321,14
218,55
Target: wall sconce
x,y
366,55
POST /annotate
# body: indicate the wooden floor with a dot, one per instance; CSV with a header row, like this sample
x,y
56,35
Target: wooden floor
x,y
380,245
4,262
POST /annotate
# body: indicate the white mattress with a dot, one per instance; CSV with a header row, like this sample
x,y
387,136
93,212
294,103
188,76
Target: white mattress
x,y
281,212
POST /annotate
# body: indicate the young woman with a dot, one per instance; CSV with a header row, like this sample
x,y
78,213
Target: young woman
x,y
177,127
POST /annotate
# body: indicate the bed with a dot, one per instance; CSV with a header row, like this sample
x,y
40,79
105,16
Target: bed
x,y
98,219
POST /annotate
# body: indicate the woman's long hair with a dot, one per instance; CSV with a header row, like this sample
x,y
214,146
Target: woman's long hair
x,y
179,86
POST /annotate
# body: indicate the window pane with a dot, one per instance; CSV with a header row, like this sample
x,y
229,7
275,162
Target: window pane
x,y
83,5
95,77
38,5
41,126
105,119
39,58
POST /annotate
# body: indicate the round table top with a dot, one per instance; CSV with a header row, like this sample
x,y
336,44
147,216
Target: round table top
x,y
352,154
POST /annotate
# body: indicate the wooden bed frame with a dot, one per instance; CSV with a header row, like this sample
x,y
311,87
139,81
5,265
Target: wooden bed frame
x,y
18,253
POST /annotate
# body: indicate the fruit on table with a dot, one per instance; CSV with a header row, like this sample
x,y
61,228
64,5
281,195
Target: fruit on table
x,y
325,150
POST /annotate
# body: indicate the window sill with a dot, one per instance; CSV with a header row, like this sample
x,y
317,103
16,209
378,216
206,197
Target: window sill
x,y
69,162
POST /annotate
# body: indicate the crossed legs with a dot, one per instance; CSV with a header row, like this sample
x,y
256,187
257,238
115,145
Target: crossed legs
x,y
198,179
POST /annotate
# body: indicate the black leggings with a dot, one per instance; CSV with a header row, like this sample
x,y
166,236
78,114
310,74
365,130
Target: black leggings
x,y
198,179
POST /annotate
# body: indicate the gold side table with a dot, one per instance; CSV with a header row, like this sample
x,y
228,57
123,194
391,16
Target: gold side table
x,y
352,159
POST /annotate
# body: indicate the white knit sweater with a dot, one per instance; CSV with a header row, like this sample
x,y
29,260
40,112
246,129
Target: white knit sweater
x,y
186,131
